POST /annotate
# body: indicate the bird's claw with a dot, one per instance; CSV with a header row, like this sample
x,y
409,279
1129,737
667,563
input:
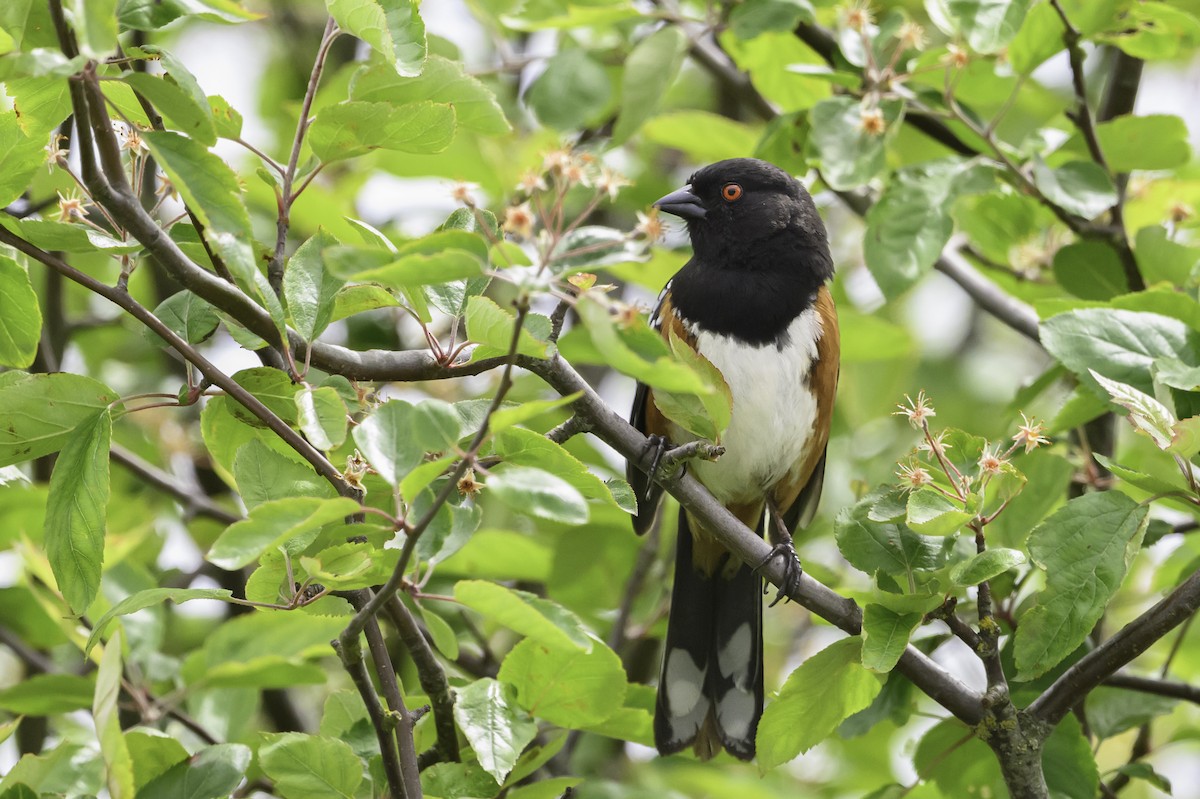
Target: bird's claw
x,y
792,570
660,445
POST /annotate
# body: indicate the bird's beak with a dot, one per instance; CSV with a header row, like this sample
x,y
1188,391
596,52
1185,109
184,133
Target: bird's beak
x,y
683,203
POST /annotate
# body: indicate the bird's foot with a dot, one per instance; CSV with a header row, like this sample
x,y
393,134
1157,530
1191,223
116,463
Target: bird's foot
x,y
792,571
660,445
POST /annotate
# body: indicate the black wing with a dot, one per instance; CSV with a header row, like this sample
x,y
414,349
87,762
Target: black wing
x,y
646,491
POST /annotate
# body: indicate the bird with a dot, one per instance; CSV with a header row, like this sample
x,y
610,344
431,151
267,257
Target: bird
x,y
754,300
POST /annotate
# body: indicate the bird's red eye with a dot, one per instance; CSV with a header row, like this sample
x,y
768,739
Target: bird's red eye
x,y
731,192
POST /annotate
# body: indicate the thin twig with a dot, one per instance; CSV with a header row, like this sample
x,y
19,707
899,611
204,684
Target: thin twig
x,y
433,682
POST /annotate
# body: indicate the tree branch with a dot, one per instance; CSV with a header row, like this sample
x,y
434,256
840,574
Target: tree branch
x,y
350,652
1102,662
986,294
844,613
192,499
433,682
1150,685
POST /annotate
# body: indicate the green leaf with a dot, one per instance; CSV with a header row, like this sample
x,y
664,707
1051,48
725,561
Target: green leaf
x,y
931,512
192,318
850,154
959,762
442,81
537,493
309,288
891,547
490,325
1079,187
542,620
519,414
226,118
443,635
1156,31
206,182
20,157
273,388
48,695
450,780
186,112
41,104
1121,345
75,511
986,565
988,25
350,129
68,236
1147,415
388,439
42,411
1145,771
148,598
274,524
650,69
885,636
353,300
702,135
823,692
322,416
1112,711
1090,270
119,764
346,566
1157,141
572,90
634,349
418,270
310,766
706,414
393,28
497,729
567,687
755,17
263,474
1160,257
1041,36
212,773
436,425
95,27
1085,549
20,316
1068,762
501,555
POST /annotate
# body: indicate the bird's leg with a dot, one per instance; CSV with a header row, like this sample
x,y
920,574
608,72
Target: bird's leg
x,y
781,538
660,445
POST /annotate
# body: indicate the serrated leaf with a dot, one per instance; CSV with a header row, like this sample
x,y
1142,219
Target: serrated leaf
x,y
388,439
41,411
20,316
497,729
353,128
489,324
539,619
704,136
76,511
850,155
393,29
442,81
1154,141
988,25
263,474
1147,415
885,636
212,773
932,513
48,695
567,687
310,766
322,416
823,692
890,547
191,317
986,565
537,493
1121,345
1112,711
1080,187
309,288
572,90
148,598
186,112
419,270
1085,548
273,524
649,70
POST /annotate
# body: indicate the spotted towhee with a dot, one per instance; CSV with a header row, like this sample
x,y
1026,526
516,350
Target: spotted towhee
x,y
753,301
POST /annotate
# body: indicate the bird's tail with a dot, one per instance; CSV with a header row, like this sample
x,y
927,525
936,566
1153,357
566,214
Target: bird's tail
x,y
710,690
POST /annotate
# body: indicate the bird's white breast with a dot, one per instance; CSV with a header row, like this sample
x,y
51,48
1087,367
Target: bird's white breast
x,y
774,409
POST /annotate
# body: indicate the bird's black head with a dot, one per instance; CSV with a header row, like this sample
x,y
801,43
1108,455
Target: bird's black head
x,y
747,214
